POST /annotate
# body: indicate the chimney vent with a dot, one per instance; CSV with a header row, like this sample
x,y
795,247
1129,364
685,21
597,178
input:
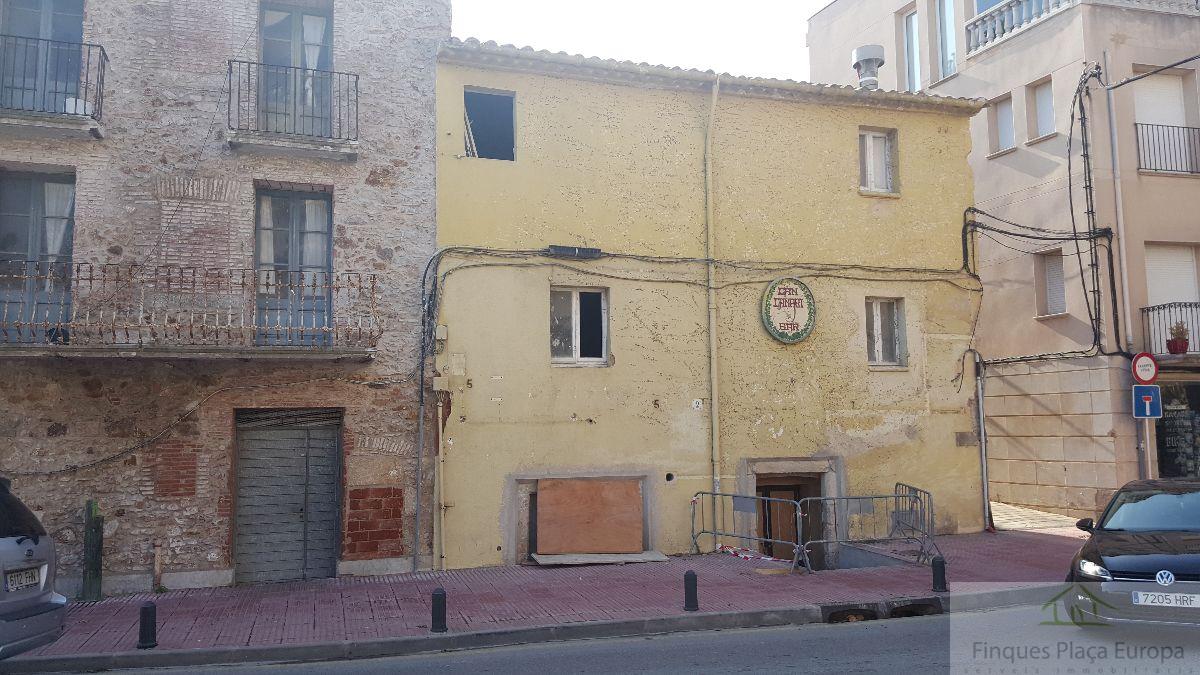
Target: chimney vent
x,y
867,61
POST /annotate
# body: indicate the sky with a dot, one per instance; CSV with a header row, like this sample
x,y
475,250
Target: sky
x,y
764,38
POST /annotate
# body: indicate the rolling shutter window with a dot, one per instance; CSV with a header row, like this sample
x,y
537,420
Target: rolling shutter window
x,y
1056,292
1044,100
1158,99
1006,136
1171,274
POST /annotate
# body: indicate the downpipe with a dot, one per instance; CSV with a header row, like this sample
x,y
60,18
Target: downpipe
x,y
980,376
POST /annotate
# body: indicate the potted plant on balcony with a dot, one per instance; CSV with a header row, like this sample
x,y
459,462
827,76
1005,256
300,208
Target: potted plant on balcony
x,y
1178,344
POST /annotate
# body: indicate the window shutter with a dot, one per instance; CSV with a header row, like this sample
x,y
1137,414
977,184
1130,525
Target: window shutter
x,y
1005,134
1043,96
863,180
1171,274
1158,99
1056,292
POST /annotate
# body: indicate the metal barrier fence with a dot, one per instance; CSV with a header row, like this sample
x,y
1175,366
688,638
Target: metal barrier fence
x,y
723,511
85,304
1163,147
294,101
52,76
904,515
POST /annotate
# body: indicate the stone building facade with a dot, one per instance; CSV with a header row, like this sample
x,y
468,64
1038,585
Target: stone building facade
x,y
215,220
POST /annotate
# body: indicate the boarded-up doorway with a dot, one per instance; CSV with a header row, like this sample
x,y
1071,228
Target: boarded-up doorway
x,y
287,523
777,520
589,515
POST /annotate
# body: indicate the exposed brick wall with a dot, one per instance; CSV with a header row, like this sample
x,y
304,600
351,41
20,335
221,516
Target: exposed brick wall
x,y
163,186
173,468
374,523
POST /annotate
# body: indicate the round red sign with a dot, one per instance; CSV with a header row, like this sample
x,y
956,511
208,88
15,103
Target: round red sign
x,y
1145,368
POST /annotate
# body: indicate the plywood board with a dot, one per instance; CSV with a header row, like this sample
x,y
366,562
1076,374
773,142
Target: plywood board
x,y
589,515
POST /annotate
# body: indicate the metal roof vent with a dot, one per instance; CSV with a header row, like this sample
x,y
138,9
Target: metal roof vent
x,y
867,60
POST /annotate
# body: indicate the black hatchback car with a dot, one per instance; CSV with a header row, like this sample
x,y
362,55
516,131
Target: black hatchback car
x,y
1143,557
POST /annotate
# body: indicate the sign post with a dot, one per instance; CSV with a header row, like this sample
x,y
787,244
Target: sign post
x,y
1145,373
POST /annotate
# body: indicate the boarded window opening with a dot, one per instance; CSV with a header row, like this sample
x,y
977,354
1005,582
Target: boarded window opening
x,y
490,128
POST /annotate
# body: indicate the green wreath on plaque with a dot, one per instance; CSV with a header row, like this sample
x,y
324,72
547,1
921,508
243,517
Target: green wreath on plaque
x,y
789,312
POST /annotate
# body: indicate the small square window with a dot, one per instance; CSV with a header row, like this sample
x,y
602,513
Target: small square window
x,y
490,125
1000,118
876,160
1051,286
885,332
579,326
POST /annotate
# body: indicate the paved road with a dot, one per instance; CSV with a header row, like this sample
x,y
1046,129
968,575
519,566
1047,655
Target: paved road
x,y
983,642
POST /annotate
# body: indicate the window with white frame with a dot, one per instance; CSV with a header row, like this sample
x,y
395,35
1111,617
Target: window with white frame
x,y
579,326
947,38
1003,134
875,160
912,52
1051,284
885,332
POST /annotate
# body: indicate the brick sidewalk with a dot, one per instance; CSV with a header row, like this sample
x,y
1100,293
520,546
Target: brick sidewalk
x,y
364,608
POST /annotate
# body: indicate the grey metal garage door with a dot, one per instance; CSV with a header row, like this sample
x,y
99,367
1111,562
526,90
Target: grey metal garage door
x,y
288,512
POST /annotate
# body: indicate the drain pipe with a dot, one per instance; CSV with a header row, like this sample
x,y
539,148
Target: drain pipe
x,y
980,376
439,490
714,395
1119,204
714,414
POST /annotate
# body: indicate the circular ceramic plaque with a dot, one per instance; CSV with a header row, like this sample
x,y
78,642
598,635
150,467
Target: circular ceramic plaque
x,y
788,310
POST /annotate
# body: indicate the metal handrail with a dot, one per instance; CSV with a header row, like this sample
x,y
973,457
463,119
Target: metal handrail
x,y
1157,321
294,101
1168,148
909,518
58,85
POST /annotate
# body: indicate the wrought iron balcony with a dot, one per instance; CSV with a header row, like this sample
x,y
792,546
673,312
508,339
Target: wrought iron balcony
x,y
1158,320
1167,148
1008,18
186,310
315,104
52,77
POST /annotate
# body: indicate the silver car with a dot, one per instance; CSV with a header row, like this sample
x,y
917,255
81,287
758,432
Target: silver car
x,y
31,613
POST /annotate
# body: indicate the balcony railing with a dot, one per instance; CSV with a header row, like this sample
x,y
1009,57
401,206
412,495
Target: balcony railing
x,y
318,104
51,76
1008,18
1162,147
84,305
1158,320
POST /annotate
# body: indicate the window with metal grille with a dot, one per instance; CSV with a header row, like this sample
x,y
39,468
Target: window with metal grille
x,y
579,326
876,161
885,332
490,124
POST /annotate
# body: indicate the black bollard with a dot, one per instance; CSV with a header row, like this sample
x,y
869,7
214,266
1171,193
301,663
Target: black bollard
x,y
939,574
691,602
439,611
148,627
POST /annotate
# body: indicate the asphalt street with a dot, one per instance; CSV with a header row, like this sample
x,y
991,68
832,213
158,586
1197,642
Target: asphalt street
x,y
997,641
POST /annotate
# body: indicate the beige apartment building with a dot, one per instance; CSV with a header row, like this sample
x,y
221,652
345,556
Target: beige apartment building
x,y
213,221
1060,431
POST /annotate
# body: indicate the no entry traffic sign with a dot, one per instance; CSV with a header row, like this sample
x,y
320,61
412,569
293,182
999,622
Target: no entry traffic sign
x,y
1145,368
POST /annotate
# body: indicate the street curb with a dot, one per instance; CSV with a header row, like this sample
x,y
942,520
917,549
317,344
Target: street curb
x,y
416,644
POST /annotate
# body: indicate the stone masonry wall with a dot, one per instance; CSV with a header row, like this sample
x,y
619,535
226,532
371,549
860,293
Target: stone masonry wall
x,y
163,187
1060,435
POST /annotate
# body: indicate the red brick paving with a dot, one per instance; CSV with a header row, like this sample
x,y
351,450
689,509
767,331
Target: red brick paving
x,y
355,608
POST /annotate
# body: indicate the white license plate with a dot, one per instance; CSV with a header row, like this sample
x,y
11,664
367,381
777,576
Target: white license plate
x,y
1166,599
22,579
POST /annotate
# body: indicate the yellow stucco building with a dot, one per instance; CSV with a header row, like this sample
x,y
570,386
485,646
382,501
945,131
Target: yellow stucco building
x,y
698,192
